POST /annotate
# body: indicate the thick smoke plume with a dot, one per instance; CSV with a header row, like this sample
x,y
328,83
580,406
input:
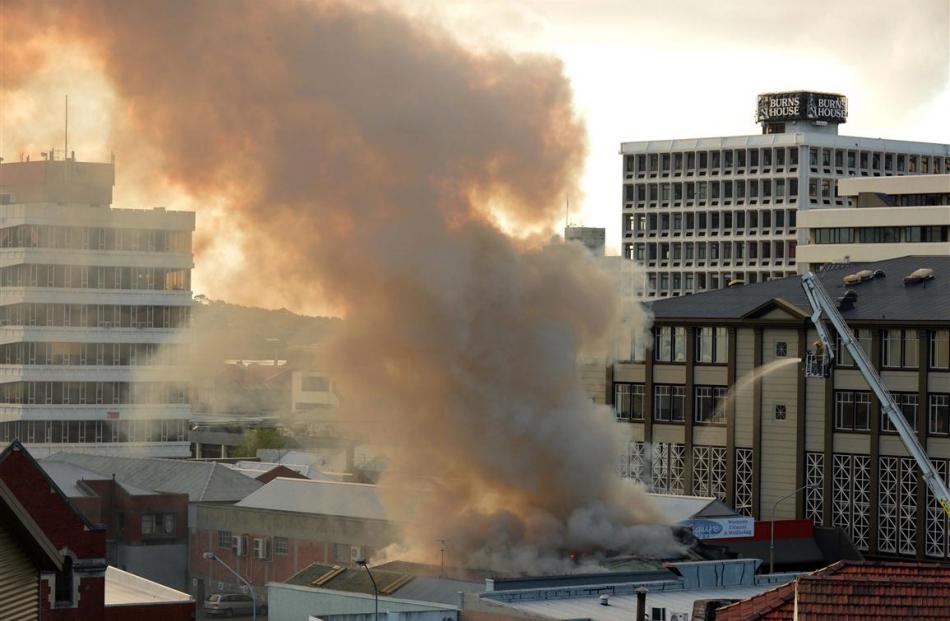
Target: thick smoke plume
x,y
367,162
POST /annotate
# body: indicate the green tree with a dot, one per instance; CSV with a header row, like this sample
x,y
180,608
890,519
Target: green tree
x,y
259,439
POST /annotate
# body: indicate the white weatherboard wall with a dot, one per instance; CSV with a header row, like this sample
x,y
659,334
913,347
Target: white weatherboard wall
x,y
288,602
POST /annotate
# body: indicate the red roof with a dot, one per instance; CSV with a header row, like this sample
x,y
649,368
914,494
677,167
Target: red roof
x,y
853,591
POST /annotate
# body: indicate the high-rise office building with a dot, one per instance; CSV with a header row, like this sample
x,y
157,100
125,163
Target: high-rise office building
x,y
94,310
701,213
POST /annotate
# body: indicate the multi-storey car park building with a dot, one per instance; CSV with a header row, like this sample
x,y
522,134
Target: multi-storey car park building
x,y
895,216
718,405
700,213
94,309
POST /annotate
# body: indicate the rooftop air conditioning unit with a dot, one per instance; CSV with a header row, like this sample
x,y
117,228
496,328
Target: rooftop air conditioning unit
x,y
356,553
260,548
239,545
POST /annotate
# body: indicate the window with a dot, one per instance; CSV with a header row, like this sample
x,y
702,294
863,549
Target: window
x,y
63,584
781,349
939,414
341,553
907,402
852,410
669,344
628,401
281,546
843,357
899,349
712,345
315,383
224,539
669,403
168,523
709,404
780,412
940,349
148,524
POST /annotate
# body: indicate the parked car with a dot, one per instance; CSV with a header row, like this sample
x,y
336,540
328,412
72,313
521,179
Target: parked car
x,y
230,604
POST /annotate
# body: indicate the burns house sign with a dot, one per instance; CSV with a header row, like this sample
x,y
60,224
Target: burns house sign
x,y
802,106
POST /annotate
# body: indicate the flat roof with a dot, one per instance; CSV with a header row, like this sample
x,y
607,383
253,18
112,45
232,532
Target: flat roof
x,y
786,139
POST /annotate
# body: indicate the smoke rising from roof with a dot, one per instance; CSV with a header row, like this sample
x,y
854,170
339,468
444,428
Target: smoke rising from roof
x,y
366,162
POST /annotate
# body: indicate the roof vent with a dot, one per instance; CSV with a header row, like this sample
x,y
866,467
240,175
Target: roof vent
x,y
846,302
736,282
859,277
604,600
922,274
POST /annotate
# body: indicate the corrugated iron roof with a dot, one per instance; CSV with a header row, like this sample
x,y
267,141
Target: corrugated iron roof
x,y
355,500
203,481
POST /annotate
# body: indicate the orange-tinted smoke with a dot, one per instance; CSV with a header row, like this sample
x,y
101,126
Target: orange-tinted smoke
x,y
363,156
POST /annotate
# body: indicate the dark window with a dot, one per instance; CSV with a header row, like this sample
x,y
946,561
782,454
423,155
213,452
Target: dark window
x,y
669,344
907,402
709,404
64,583
781,349
939,419
225,540
852,410
669,403
780,412
628,401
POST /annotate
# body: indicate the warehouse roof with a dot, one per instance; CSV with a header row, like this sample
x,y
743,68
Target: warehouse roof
x,y
879,299
202,480
354,500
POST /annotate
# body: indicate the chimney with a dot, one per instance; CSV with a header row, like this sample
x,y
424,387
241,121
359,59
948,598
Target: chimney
x,y
641,603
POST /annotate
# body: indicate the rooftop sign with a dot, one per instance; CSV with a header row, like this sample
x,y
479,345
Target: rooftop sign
x,y
802,106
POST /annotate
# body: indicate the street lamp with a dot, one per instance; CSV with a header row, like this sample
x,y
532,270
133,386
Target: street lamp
x,y
211,556
772,529
362,563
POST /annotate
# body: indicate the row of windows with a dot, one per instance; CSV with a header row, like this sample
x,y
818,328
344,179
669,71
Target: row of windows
x,y
899,348
94,354
94,316
663,283
712,344
876,160
714,251
98,431
669,403
712,161
881,235
853,412
709,222
727,190
94,238
94,392
95,277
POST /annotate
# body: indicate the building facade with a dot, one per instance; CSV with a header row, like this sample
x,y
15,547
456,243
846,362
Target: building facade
x,y
898,216
700,213
718,404
94,309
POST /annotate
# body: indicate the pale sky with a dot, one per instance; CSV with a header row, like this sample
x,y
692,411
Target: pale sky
x,y
653,69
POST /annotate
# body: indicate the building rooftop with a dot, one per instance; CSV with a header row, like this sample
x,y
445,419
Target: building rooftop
x,y
679,508
124,589
879,299
785,139
853,590
903,184
203,481
354,500
391,583
67,476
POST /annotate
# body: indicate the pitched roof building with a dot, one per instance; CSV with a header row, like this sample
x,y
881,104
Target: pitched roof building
x,y
851,590
716,403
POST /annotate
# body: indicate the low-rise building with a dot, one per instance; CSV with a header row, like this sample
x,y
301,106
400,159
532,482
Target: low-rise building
x,y
285,526
883,218
146,531
53,558
718,404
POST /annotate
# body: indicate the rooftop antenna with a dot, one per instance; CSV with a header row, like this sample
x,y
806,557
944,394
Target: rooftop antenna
x,y
66,132
567,211
442,543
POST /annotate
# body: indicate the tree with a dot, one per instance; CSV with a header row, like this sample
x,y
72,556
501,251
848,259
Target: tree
x,y
259,439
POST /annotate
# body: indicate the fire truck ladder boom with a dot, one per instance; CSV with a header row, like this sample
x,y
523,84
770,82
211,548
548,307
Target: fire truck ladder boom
x,y
821,303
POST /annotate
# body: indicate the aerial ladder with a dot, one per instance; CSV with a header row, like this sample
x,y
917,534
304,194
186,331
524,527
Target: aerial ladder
x,y
818,364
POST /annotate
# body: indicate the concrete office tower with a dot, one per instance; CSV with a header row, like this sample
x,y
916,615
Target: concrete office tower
x,y
700,213
594,239
889,217
94,310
